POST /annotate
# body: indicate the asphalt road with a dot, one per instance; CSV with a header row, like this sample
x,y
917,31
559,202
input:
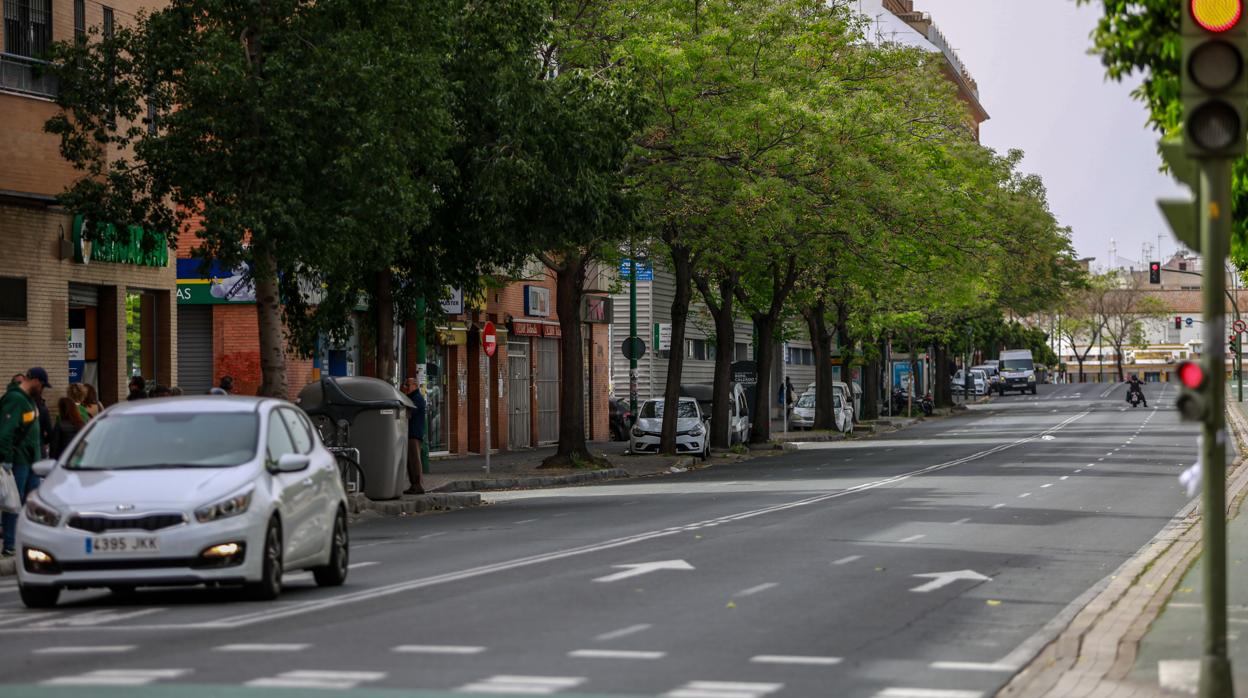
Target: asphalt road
x,y
930,563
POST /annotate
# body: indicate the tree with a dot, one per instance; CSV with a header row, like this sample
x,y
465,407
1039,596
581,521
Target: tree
x,y
269,127
1123,307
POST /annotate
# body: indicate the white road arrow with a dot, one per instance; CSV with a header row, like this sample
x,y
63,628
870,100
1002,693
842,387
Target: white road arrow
x,y
942,579
644,568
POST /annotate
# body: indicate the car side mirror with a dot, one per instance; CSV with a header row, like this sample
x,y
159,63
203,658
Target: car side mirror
x,y
44,467
293,463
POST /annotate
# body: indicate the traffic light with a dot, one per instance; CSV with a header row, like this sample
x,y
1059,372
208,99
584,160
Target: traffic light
x,y
1178,322
1233,344
1215,91
1154,272
1192,403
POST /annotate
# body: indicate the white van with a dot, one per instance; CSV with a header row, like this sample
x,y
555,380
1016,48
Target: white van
x,y
1018,372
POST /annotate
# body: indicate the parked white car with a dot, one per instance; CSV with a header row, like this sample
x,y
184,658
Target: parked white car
x,y
979,381
192,490
803,415
846,393
691,435
738,409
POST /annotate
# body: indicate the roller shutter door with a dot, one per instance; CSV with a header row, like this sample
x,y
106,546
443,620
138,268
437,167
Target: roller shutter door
x,y
195,348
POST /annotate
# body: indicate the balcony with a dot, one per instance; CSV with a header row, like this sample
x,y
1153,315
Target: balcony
x,y
26,76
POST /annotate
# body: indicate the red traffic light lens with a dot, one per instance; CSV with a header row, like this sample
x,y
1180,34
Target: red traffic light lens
x,y
1155,266
1191,375
1217,15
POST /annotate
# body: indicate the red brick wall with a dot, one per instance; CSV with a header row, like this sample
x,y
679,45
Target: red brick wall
x,y
236,352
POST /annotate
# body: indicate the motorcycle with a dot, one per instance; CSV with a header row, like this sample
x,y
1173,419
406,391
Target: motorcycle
x,y
927,405
1135,399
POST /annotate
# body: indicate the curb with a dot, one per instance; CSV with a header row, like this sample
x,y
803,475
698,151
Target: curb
x,y
419,504
537,482
1092,650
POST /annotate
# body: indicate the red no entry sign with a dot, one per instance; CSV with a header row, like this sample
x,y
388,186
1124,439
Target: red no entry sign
x,y
489,340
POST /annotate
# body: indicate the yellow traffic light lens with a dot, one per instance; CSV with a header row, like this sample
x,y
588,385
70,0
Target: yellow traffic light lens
x,y
1217,15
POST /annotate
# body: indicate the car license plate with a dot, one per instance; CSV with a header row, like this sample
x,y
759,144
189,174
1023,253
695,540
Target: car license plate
x,y
119,545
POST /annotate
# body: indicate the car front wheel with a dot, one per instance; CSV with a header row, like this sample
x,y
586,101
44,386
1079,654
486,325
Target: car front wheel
x,y
39,597
335,573
270,584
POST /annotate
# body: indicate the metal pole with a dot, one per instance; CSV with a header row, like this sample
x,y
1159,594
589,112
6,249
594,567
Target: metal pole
x,y
422,377
489,390
784,385
1215,233
632,327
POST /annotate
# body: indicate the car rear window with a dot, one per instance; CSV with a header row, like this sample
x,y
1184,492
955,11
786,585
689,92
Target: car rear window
x,y
166,439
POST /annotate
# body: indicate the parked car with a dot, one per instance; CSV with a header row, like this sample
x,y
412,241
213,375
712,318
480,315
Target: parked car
x,y
738,409
979,381
620,418
1018,372
846,391
803,414
993,374
189,490
691,425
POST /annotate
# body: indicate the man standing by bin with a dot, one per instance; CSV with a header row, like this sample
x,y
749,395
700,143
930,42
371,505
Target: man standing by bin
x,y
20,444
415,436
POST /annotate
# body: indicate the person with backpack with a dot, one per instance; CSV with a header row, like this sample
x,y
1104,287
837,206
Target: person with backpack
x,y
20,444
69,421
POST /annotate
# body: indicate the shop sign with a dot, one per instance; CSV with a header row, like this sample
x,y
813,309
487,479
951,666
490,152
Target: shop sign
x,y
454,303
551,331
118,244
216,284
76,342
536,301
526,329
597,309
663,336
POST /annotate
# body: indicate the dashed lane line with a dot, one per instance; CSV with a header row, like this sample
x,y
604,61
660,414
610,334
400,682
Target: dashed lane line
x,y
911,539
898,692
623,632
523,685
974,666
318,679
439,649
795,660
616,654
847,560
117,677
86,649
724,689
263,647
755,589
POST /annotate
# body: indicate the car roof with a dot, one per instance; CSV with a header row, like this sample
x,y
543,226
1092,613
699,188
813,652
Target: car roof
x,y
194,403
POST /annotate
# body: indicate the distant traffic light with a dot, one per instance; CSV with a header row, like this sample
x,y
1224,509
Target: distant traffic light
x,y
1178,322
1192,403
1233,343
1214,89
1154,272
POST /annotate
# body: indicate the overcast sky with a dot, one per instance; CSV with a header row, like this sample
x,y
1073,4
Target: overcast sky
x,y
1083,134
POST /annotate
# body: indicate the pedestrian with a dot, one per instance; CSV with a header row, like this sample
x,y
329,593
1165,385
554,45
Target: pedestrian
x,y
176,391
45,424
69,422
138,389
94,406
78,394
415,436
159,390
16,379
790,395
216,391
227,384
20,446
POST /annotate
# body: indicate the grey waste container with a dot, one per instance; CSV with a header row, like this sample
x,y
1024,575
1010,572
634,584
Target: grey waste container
x,y
377,413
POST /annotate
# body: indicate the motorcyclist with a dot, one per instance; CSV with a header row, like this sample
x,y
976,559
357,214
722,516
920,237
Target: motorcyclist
x,y
1134,387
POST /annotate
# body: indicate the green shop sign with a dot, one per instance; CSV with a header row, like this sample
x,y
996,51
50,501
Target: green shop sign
x,y
119,245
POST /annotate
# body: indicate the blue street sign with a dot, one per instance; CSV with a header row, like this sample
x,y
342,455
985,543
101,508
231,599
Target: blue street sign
x,y
1188,321
645,272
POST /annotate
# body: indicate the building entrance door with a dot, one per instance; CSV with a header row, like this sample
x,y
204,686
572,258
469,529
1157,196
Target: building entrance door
x,y
547,390
518,373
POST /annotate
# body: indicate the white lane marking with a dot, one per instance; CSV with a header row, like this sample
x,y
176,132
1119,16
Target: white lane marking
x,y
723,689
117,677
431,535
959,522
439,649
19,616
1080,470
944,579
847,560
528,685
897,692
616,654
639,568
623,632
1025,494
973,666
754,590
1064,477
358,565
524,521
1047,485
86,649
261,647
311,606
795,659
998,506
340,680
93,618
911,539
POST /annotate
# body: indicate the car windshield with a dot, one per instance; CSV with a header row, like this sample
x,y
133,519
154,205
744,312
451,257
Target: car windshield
x,y
807,400
1017,365
654,410
166,440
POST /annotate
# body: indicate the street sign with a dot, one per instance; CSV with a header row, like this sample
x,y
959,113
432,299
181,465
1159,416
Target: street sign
x,y
1188,322
634,348
644,271
489,339
1240,326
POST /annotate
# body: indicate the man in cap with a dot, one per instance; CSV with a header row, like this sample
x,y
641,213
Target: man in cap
x,y
20,444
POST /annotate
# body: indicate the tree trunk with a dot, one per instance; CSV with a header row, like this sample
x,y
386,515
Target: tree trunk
x,y
871,390
1080,370
721,306
765,326
942,394
269,326
821,339
682,265
383,315
845,344
569,288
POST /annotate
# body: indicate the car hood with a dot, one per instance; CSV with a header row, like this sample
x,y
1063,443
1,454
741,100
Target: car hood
x,y
804,411
104,490
656,425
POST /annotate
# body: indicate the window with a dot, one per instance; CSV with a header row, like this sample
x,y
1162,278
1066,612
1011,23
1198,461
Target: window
x,y
167,439
27,27
800,357
697,349
279,439
80,20
108,22
12,299
299,431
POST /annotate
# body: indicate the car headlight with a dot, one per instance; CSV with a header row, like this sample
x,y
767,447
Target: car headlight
x,y
638,433
41,513
697,430
224,509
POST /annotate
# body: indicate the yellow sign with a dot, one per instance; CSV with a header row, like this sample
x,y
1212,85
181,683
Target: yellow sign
x,y
1215,211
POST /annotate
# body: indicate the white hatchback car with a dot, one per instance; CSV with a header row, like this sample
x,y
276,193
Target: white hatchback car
x,y
189,490
691,424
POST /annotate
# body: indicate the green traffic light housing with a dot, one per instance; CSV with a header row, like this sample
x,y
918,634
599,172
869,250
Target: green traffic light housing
x,y
1215,85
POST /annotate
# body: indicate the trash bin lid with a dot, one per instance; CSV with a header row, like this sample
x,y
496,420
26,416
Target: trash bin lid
x,y
347,396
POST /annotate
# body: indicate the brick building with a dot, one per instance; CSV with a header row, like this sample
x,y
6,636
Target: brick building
x,y
95,312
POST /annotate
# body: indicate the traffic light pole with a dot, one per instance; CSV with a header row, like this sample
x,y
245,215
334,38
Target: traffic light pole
x,y
1215,233
632,327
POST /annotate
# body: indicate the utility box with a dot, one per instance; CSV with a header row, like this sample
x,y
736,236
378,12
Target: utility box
x,y
376,415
